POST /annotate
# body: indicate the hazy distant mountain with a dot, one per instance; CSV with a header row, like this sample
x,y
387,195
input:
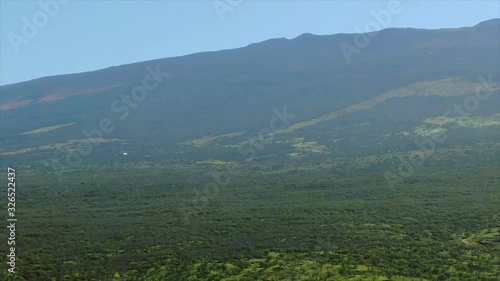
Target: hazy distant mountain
x,y
401,74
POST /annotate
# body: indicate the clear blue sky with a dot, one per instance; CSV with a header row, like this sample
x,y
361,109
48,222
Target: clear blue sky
x,y
90,35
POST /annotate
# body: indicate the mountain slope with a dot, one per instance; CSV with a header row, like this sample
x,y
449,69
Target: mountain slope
x,y
224,92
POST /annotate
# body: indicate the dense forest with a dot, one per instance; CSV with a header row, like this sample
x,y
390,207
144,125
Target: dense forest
x,y
314,220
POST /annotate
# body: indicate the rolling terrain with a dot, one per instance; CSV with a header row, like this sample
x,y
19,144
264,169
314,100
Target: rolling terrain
x,y
280,160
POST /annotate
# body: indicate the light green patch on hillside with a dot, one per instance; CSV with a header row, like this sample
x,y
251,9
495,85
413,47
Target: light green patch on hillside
x,y
58,146
427,132
475,121
295,155
45,129
453,86
208,140
488,236
434,125
232,145
309,146
57,96
213,162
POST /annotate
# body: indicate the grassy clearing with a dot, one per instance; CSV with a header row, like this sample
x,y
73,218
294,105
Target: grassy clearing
x,y
213,162
207,140
446,87
434,125
309,146
45,129
57,146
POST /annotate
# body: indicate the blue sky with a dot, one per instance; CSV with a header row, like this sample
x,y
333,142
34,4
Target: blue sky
x,y
89,35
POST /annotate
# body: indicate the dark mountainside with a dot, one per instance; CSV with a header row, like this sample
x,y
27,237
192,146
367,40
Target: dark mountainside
x,y
214,93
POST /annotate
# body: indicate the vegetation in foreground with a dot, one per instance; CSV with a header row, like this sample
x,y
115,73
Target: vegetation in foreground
x,y
271,221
